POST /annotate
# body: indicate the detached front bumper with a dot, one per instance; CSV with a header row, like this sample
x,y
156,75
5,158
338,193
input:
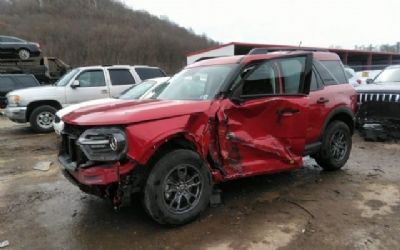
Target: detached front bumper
x,y
94,175
16,114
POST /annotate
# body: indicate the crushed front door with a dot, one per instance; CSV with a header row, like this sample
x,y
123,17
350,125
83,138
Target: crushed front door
x,y
263,129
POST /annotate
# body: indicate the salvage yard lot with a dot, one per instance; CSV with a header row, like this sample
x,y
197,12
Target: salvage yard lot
x,y
355,208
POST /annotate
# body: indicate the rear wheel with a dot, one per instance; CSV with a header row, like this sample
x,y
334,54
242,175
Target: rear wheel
x,y
336,146
178,188
42,119
24,54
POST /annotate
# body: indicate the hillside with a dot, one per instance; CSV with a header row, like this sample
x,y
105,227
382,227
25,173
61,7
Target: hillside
x,y
87,32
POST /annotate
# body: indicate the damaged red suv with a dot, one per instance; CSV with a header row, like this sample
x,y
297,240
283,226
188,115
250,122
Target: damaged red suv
x,y
218,120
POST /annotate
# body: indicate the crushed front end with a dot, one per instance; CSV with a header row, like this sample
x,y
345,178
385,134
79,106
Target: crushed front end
x,y
378,115
94,159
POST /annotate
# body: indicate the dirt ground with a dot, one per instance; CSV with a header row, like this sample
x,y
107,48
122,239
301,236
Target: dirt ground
x,y
355,208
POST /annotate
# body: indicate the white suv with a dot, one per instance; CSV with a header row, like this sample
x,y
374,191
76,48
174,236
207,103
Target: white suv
x,y
38,105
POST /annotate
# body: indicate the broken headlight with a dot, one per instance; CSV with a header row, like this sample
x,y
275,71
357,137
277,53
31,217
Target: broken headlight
x,y
103,144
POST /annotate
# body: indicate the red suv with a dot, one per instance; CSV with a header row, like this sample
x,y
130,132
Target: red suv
x,y
218,120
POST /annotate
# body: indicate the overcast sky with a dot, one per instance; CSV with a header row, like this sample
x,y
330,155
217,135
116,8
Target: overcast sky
x,y
314,22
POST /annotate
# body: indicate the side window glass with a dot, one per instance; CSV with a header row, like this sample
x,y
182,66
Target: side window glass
x,y
121,77
331,72
6,84
91,78
316,81
26,81
262,81
10,40
313,85
292,70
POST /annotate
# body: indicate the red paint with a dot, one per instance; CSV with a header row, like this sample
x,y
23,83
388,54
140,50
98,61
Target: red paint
x,y
342,95
101,175
255,140
246,139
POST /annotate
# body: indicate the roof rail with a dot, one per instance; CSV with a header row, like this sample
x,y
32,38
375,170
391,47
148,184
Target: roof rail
x,y
206,58
257,51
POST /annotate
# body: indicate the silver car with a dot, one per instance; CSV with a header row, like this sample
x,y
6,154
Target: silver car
x,y
146,90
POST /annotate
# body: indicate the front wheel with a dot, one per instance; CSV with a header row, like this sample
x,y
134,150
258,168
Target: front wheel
x,y
178,188
336,146
42,119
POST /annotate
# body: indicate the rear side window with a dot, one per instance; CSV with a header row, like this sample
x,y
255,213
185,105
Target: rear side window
x,y
147,73
11,40
332,72
121,77
26,81
6,84
316,81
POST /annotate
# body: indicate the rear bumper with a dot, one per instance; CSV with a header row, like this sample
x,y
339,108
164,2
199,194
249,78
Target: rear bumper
x,y
94,175
16,114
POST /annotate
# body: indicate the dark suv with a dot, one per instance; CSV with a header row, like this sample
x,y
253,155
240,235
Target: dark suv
x,y
10,82
218,120
15,47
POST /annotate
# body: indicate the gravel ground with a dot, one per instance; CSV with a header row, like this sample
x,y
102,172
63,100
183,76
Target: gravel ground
x,y
355,208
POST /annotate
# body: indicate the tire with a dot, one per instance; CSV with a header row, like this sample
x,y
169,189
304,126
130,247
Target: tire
x,y
24,54
336,146
162,189
41,119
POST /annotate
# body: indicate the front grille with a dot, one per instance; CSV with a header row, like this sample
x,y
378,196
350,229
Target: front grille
x,y
69,147
377,97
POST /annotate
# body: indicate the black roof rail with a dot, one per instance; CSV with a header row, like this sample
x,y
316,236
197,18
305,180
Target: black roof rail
x,y
206,58
257,51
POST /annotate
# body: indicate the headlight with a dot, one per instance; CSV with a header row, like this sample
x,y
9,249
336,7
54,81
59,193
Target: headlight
x,y
14,99
103,144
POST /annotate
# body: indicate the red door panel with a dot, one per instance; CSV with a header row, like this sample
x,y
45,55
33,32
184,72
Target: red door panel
x,y
263,135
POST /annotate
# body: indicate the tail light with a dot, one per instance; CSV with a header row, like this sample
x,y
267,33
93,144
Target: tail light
x,y
37,44
358,81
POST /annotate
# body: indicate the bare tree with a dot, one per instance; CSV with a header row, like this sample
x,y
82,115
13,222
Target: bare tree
x,y
84,32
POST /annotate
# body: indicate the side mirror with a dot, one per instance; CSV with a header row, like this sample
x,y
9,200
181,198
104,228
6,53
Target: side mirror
x,y
75,84
369,81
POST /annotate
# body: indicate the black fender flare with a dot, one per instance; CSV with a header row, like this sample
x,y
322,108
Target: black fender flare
x,y
344,114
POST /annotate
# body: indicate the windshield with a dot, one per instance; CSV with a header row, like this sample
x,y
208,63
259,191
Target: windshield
x,y
137,91
388,75
155,92
200,83
65,79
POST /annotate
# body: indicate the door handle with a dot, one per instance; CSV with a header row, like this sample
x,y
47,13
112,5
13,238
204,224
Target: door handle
x,y
322,100
104,91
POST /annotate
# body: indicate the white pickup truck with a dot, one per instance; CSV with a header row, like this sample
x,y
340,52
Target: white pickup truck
x,y
39,104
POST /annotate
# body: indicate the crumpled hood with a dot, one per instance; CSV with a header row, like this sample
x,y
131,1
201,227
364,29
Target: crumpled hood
x,y
379,88
133,111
